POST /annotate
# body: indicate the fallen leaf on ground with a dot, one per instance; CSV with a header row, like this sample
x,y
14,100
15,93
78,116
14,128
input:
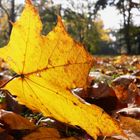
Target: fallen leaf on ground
x,y
129,123
47,68
130,111
8,102
100,90
1,130
121,59
14,121
125,88
70,138
43,133
4,135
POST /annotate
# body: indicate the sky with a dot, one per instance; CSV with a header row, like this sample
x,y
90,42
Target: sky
x,y
110,16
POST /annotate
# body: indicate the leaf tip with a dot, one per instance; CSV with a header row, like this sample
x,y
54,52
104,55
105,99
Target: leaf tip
x,y
60,22
29,2
59,19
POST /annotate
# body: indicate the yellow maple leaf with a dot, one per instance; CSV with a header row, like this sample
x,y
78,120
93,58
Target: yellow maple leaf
x,y
47,68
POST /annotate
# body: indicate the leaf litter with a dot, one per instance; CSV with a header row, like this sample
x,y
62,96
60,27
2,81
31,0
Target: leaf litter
x,y
110,70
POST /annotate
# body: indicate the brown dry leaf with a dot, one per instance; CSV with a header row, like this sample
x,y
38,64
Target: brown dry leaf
x,y
129,123
3,106
100,90
10,103
99,85
125,88
4,135
14,121
138,66
121,92
131,136
1,130
48,68
43,133
130,111
121,59
70,138
95,91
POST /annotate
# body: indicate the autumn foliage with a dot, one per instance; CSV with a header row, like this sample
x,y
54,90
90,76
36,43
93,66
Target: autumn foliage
x,y
47,69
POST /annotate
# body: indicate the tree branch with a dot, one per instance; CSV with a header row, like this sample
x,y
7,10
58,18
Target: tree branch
x,y
2,7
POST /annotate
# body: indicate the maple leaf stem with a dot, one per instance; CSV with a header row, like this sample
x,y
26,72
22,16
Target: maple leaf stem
x,y
15,76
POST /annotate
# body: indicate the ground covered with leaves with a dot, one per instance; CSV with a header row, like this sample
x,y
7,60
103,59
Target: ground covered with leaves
x,y
114,85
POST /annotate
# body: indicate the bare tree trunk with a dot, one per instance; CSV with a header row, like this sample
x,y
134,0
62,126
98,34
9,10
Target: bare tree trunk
x,y
12,15
127,20
138,41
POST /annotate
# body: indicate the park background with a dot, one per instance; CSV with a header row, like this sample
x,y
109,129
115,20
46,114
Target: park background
x,y
103,26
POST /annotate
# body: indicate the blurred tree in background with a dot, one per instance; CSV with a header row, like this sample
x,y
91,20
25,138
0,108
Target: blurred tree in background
x,y
82,22
79,21
8,13
127,31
